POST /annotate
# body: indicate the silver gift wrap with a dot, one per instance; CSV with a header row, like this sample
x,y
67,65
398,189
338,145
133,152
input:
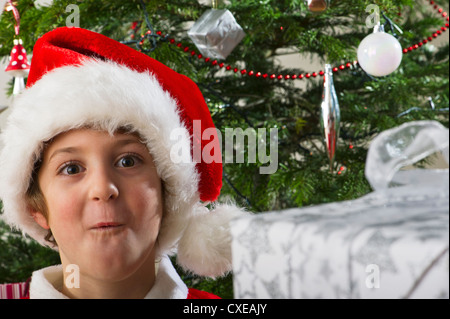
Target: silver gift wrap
x,y
330,114
216,33
390,243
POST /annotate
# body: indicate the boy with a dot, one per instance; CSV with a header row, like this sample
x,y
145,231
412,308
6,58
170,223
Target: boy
x,y
86,169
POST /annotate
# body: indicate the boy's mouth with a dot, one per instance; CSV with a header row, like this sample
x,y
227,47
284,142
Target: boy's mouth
x,y
106,225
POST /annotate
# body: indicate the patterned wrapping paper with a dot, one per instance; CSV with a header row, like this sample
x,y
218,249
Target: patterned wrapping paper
x,y
391,243
14,291
338,250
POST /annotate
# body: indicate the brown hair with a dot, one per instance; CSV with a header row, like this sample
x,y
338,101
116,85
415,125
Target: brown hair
x,y
36,201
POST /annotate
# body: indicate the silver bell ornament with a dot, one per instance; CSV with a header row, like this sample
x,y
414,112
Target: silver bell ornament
x,y
330,114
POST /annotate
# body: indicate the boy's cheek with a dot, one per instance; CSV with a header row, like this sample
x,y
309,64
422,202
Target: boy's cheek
x,y
64,213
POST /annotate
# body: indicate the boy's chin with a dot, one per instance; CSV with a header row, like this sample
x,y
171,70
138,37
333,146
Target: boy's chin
x,y
118,265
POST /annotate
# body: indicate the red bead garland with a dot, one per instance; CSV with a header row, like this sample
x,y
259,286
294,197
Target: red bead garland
x,y
341,67
435,34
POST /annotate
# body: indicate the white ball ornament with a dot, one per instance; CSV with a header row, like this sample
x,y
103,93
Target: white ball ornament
x,y
379,54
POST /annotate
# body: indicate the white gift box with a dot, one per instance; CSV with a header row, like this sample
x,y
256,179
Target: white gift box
x,y
216,33
391,243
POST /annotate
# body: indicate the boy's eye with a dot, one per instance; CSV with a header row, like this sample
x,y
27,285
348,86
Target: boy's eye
x,y
71,169
126,161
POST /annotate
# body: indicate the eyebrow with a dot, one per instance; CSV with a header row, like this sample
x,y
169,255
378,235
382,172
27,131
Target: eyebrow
x,y
68,150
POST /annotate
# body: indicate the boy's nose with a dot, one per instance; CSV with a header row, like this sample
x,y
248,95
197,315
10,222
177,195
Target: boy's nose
x,y
103,188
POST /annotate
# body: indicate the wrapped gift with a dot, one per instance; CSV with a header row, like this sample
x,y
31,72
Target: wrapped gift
x,y
216,33
391,243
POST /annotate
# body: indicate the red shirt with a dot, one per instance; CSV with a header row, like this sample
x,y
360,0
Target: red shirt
x,y
198,294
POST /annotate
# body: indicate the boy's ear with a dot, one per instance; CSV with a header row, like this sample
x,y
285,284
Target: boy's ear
x,y
39,218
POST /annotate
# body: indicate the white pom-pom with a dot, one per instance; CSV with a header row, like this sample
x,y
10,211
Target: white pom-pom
x,y
205,247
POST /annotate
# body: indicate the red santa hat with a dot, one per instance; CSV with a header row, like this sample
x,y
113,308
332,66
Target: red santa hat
x,y
80,78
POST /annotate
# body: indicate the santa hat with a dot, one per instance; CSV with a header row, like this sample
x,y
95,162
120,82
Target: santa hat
x,y
80,78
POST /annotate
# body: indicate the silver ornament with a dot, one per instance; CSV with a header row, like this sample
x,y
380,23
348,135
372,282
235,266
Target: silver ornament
x,y
330,114
216,33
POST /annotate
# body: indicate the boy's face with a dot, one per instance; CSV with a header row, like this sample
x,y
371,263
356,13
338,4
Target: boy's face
x,y
104,202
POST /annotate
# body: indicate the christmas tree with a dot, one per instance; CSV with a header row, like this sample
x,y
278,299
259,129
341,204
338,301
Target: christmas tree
x,y
252,91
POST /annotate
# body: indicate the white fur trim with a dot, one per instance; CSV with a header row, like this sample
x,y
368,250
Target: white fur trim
x,y
47,283
205,247
168,284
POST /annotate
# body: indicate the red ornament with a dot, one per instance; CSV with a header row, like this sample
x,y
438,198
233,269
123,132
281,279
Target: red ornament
x,y
18,66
